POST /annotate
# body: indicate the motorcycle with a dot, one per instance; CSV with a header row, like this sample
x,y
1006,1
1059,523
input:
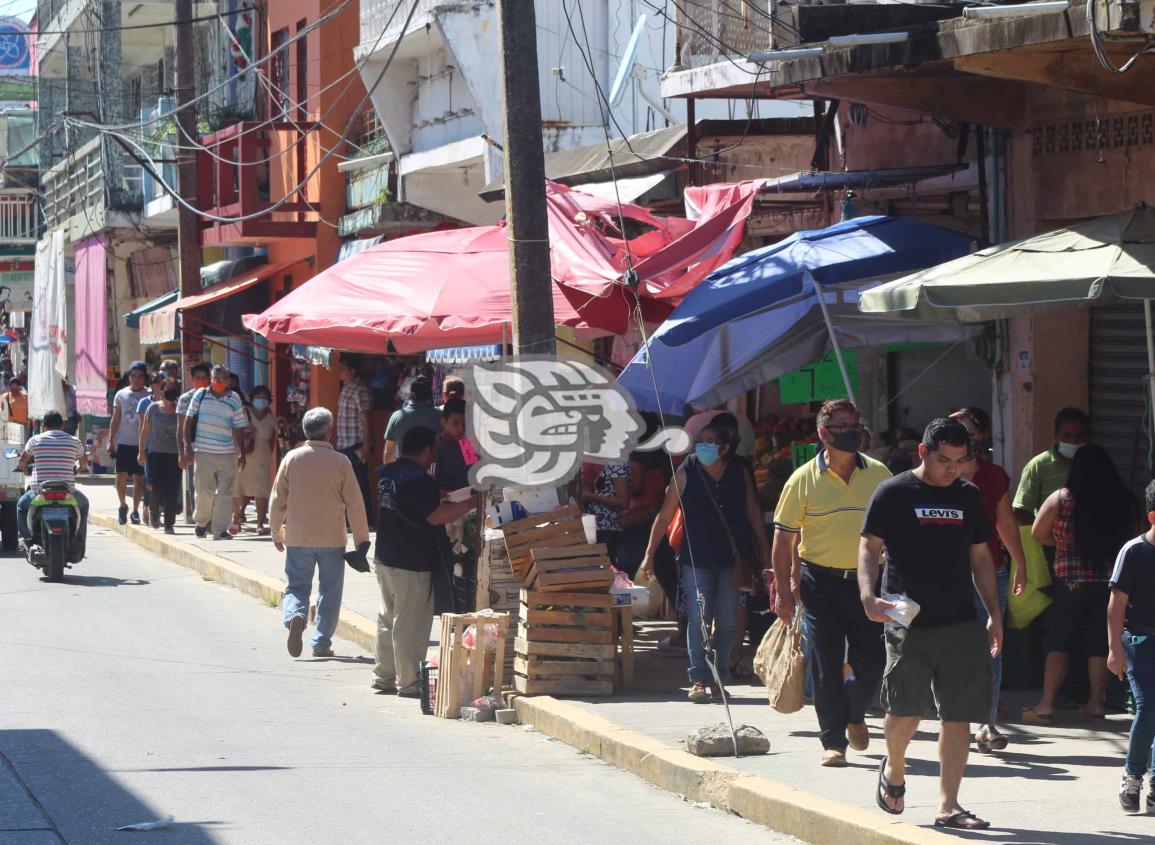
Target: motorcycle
x,y
54,518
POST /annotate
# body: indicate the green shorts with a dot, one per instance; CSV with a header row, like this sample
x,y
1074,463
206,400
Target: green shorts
x,y
952,663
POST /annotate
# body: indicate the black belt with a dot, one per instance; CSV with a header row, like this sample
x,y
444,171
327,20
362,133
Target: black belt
x,y
844,574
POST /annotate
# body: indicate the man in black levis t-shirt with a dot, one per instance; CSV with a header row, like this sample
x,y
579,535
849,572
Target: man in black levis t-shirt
x,y
935,531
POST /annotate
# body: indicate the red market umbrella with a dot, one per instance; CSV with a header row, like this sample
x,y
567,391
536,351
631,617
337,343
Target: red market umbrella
x,y
430,291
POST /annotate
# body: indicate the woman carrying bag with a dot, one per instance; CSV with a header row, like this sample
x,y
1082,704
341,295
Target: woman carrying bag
x,y
725,546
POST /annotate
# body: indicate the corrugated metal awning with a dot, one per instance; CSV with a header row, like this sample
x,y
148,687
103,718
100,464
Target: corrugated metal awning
x,y
639,155
847,179
464,354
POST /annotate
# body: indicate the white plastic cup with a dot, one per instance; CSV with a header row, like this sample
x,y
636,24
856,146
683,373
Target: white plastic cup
x,y
590,524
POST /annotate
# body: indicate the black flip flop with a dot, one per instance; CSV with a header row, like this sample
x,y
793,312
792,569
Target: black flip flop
x,y
963,820
892,791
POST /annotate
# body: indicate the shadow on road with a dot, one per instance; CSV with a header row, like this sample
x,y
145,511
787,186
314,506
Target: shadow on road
x,y
102,581
56,787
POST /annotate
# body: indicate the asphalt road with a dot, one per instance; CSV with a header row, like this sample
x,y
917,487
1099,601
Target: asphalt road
x,y
137,690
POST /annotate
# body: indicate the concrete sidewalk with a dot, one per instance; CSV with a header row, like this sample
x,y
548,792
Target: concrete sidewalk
x,y
1054,784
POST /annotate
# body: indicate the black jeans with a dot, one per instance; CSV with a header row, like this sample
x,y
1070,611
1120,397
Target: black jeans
x,y
361,472
835,619
165,472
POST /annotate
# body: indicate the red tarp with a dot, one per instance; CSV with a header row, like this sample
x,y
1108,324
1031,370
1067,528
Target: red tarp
x,y
452,288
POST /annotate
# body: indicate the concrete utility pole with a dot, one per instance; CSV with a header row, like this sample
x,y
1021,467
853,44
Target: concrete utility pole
x,y
533,326
188,223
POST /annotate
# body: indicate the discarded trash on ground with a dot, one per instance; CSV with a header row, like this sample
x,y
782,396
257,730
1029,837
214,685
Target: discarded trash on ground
x,y
156,825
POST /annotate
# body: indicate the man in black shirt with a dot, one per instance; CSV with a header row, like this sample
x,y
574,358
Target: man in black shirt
x,y
410,535
935,531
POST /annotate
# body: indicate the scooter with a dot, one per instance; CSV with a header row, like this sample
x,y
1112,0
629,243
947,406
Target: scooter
x,y
54,518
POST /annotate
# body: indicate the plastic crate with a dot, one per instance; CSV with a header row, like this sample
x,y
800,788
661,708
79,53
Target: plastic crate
x,y
428,688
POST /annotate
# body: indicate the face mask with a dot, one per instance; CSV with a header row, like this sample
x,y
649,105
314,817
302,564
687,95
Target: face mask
x,y
200,382
219,388
845,441
260,403
171,394
707,453
1068,450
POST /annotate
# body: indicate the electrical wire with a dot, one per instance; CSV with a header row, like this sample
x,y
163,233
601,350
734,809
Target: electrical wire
x,y
304,182
1101,54
127,27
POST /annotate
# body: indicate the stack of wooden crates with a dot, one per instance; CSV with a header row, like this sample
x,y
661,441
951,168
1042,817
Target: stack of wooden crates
x,y
565,640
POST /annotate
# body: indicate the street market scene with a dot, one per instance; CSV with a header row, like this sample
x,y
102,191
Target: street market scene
x,y
565,419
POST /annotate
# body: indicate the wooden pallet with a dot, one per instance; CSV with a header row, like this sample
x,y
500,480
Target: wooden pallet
x,y
570,569
559,528
565,644
455,660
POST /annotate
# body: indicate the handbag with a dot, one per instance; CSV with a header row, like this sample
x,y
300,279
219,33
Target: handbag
x,y
779,664
747,574
1023,609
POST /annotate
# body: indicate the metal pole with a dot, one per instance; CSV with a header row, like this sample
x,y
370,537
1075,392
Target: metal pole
x,y
525,208
833,339
1150,361
188,223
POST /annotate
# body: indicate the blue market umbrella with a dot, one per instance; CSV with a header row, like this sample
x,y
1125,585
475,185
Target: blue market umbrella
x,y
779,308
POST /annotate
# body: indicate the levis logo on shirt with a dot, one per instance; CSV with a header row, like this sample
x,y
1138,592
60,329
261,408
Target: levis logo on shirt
x,y
938,515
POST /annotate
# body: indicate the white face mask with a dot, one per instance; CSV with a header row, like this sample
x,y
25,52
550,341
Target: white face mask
x,y
1068,450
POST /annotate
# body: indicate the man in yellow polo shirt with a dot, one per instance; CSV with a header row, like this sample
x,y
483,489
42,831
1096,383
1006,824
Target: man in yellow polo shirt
x,y
819,522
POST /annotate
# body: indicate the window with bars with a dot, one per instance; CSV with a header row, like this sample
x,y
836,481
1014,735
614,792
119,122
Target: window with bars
x,y
279,72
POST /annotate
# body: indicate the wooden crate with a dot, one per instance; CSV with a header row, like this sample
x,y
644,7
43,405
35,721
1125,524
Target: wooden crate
x,y
570,569
559,528
565,644
455,660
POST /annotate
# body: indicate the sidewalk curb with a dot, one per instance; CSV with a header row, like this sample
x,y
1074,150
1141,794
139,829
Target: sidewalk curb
x,y
351,626
802,814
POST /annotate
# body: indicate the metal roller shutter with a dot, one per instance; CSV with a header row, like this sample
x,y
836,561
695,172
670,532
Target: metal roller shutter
x,y
1118,392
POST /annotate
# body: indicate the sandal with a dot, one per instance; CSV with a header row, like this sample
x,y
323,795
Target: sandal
x,y
1032,718
892,791
963,820
989,739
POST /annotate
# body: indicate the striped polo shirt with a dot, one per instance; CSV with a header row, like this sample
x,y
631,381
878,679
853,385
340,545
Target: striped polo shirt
x,y
217,417
828,511
56,453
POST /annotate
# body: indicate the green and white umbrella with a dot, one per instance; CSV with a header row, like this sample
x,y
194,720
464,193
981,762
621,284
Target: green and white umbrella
x,y
1103,260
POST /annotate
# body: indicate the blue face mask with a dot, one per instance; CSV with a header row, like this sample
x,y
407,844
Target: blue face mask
x,y
260,403
706,453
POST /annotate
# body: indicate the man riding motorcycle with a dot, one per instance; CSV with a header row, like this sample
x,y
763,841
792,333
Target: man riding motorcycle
x,y
53,455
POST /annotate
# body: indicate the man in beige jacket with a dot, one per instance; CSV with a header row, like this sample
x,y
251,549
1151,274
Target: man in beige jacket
x,y
314,493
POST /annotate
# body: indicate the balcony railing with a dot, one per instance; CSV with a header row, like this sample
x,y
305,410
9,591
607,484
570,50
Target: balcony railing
x,y
19,217
379,15
710,31
78,185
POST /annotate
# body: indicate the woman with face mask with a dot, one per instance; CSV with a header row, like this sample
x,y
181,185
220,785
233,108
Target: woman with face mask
x,y
723,519
256,479
1087,521
159,455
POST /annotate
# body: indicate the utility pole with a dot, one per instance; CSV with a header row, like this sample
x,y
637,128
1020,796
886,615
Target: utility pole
x,y
188,223
530,275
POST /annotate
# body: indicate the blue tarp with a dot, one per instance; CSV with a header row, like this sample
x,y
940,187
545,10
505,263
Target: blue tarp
x,y
757,317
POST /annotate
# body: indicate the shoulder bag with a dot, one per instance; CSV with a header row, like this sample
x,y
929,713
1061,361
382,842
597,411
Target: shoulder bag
x,y
747,574
192,420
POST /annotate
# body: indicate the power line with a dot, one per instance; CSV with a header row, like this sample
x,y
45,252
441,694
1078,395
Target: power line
x,y
127,27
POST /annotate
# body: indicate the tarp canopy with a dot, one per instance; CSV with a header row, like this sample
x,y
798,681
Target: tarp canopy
x,y
132,318
160,326
755,320
452,288
1099,260
863,249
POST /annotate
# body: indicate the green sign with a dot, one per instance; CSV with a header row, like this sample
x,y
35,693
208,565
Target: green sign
x,y
819,381
801,453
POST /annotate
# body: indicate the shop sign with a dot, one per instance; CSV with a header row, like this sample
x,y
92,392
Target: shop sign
x,y
819,381
16,290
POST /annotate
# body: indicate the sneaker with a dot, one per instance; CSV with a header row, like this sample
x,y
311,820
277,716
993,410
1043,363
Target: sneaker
x,y
322,651
698,693
135,518
1129,791
379,686
832,758
168,529
414,692
858,736
224,535
296,629
202,531
122,515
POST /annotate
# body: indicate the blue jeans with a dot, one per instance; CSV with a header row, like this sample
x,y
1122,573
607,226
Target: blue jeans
x,y
24,504
710,594
1002,584
300,561
1140,653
